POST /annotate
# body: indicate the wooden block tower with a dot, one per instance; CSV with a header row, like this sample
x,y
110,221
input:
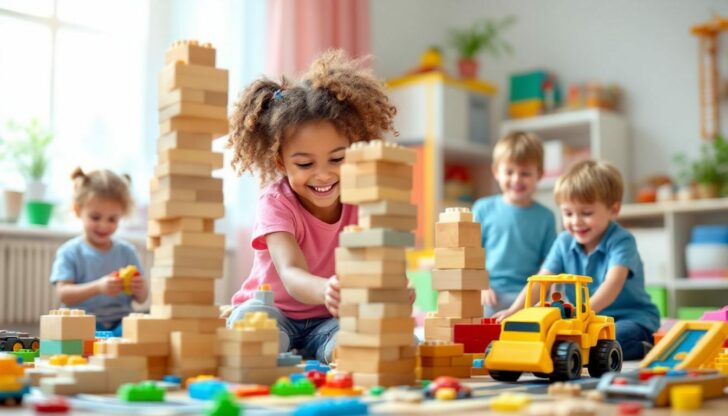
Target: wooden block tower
x,y
459,274
249,350
375,341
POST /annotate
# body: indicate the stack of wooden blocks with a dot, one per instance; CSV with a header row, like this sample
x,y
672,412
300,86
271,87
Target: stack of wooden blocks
x,y
249,350
376,338
459,275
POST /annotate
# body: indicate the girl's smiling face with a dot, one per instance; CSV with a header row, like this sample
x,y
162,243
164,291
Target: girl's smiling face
x,y
311,159
100,217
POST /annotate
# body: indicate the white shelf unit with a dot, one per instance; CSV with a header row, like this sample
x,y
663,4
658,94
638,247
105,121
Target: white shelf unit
x,y
603,132
668,226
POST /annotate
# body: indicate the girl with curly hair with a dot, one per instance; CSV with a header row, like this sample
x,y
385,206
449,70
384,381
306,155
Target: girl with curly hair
x,y
294,135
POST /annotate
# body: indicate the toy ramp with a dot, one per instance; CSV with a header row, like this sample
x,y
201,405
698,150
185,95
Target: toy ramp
x,y
688,345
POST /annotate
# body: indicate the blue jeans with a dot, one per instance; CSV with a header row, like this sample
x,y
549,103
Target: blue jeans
x,y
113,327
631,337
313,338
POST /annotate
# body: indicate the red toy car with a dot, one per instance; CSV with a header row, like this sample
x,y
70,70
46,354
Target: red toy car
x,y
447,382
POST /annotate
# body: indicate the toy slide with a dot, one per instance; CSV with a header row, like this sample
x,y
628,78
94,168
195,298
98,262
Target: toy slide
x,y
688,345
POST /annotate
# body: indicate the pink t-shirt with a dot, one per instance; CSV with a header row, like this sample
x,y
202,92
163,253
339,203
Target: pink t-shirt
x,y
280,210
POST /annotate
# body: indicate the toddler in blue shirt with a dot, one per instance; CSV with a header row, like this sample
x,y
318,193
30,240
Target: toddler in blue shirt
x,y
82,269
517,231
589,195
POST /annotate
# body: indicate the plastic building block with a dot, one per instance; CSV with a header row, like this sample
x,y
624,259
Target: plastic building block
x,y
363,151
13,386
52,405
28,356
288,359
201,377
169,378
332,408
255,320
318,378
447,382
353,236
52,347
456,214
225,405
446,393
510,402
339,384
376,391
478,363
719,315
404,395
126,274
629,408
686,397
476,337
205,389
104,334
556,355
688,345
251,390
317,366
284,387
264,294
16,341
145,391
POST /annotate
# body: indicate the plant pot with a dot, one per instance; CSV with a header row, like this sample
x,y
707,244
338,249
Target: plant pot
x,y
13,204
38,212
468,68
708,190
35,191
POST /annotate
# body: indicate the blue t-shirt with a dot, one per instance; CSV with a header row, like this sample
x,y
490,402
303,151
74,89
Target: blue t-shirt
x,y
516,240
78,262
617,248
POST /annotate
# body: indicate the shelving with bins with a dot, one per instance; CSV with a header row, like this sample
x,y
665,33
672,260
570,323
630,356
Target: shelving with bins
x,y
663,231
447,121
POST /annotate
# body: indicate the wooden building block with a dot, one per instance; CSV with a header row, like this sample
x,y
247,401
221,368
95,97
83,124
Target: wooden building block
x,y
180,297
384,379
252,375
190,52
67,324
370,267
177,254
177,271
191,363
233,350
163,195
352,339
185,345
379,168
214,128
406,365
192,239
376,310
459,279
440,349
465,360
182,285
159,227
457,234
377,325
388,221
141,328
193,110
375,193
372,281
191,95
464,304
183,168
371,253
262,361
248,335
351,180
369,354
353,236
115,347
173,210
152,242
185,311
362,151
180,75
368,296
457,258
456,214
431,373
435,361
115,363
196,183
213,159
209,325
185,140
395,208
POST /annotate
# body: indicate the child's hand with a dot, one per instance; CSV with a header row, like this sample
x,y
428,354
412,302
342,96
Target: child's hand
x,y
332,296
226,310
488,298
110,285
501,315
412,295
138,288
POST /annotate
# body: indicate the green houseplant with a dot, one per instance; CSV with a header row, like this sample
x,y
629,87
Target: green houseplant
x,y
482,36
709,171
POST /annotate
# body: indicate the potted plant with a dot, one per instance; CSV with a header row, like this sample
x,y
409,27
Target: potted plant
x,y
485,36
709,171
28,150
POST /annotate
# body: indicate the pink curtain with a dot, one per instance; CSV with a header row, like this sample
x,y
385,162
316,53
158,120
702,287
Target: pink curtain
x,y
299,30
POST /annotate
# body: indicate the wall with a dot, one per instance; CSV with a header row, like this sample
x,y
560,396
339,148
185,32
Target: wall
x,y
644,46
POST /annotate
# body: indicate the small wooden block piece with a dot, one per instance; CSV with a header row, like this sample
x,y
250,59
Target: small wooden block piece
x,y
457,234
460,258
353,237
456,214
459,279
190,52
363,151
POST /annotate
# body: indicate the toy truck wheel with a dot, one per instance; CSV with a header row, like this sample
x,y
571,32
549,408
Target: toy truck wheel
x,y
566,356
13,344
605,357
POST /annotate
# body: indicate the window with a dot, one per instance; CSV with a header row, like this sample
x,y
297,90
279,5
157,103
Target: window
x,y
515,326
77,66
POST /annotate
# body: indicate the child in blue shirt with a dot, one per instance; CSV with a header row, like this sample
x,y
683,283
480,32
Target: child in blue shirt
x,y
517,231
82,269
589,195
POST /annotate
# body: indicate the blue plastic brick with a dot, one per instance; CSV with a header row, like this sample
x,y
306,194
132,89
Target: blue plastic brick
x,y
316,365
478,363
206,389
53,347
332,408
104,334
676,373
296,376
287,359
169,378
709,234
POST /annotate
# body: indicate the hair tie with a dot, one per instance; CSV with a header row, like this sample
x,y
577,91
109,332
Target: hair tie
x,y
278,95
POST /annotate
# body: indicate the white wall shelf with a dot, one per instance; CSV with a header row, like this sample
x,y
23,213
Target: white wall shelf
x,y
663,231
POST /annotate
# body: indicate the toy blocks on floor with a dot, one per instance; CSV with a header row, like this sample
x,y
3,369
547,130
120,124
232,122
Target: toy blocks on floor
x,y
442,358
65,331
459,275
476,336
375,311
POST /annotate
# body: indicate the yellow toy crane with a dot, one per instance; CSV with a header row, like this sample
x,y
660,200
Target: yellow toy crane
x,y
709,76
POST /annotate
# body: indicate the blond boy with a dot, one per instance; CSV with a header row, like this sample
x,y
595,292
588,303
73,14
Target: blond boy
x,y
517,232
589,195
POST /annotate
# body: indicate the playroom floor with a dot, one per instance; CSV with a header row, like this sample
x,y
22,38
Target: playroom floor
x,y
483,390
